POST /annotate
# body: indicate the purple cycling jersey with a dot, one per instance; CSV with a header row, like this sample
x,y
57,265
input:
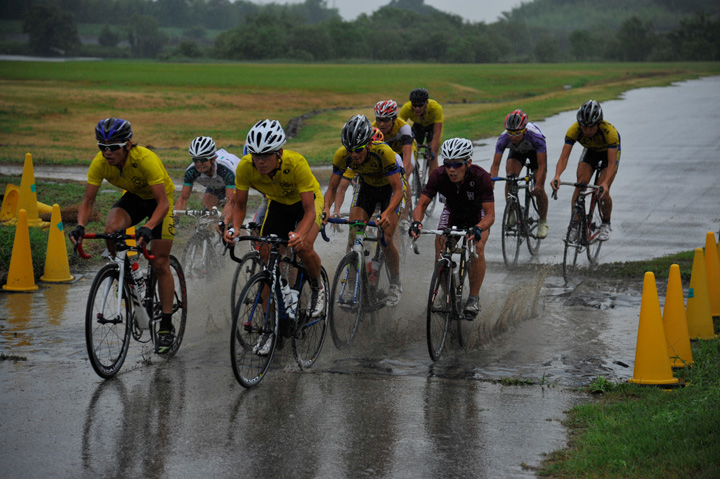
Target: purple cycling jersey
x,y
534,140
463,199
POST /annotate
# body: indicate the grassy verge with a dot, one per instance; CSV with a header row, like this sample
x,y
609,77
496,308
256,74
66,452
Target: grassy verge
x,y
638,431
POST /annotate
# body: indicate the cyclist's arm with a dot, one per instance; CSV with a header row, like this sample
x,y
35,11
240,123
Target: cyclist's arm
x,y
407,155
340,195
561,165
419,211
87,205
229,193
397,196
495,167
435,145
235,214
184,195
330,195
163,205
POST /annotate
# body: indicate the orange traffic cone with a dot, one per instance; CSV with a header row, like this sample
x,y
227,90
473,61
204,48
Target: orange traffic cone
x,y
57,267
20,274
652,365
699,316
712,268
28,195
675,322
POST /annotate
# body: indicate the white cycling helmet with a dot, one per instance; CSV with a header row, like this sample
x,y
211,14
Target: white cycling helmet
x,y
202,147
456,149
264,137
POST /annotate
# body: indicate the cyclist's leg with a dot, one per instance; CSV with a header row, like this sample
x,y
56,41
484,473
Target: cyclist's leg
x,y
513,167
585,170
607,175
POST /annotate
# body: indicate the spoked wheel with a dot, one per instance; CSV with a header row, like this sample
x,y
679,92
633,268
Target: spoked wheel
x,y
309,336
439,310
531,223
573,245
595,220
462,326
254,330
107,323
179,307
198,257
249,264
511,237
346,301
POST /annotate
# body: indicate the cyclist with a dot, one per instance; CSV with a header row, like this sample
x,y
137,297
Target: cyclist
x,y
427,117
149,194
469,204
601,143
380,184
526,143
212,168
295,202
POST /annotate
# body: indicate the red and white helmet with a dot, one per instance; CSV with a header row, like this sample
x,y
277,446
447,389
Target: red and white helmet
x,y
377,135
386,109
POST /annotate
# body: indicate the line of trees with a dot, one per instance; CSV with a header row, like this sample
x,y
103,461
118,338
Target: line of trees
x,y
403,30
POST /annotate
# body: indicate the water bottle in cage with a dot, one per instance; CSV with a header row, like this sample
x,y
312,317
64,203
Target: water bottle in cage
x,y
290,297
373,267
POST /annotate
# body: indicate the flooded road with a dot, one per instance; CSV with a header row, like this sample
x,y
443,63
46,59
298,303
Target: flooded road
x,y
381,408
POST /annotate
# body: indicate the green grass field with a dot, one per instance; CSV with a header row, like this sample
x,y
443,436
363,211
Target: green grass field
x,y
50,108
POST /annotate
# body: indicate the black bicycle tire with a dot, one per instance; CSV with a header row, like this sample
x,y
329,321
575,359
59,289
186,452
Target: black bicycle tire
x,y
252,257
312,331
531,220
154,307
577,222
595,219
106,371
242,341
507,245
459,313
340,339
437,328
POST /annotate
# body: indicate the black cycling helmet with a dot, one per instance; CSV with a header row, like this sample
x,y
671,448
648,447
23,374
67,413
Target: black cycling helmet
x,y
113,130
356,133
590,113
516,120
419,95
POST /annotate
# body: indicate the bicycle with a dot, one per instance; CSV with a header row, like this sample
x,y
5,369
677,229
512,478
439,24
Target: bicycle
x,y
419,177
204,248
448,291
520,218
116,310
268,311
360,284
584,228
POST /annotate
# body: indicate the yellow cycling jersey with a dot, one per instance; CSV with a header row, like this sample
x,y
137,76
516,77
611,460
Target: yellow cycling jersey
x,y
606,137
142,170
379,164
291,179
433,113
399,135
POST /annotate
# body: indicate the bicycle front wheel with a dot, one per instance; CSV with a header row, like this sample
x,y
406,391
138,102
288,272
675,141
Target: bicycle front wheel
x,y
249,264
595,220
197,257
511,233
179,305
309,337
108,320
254,330
439,309
573,243
531,220
347,295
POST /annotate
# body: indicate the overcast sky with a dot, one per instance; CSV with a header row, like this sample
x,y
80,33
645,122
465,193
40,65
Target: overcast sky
x,y
486,11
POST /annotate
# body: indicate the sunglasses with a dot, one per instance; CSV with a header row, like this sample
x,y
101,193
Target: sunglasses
x,y
113,147
418,105
356,150
200,160
515,133
455,164
383,120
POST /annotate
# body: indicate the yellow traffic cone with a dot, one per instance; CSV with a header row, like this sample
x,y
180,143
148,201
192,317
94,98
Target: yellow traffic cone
x,y
57,267
675,322
699,317
28,195
10,202
652,365
20,274
712,268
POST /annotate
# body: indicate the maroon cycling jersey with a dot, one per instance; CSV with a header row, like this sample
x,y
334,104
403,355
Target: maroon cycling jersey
x,y
463,199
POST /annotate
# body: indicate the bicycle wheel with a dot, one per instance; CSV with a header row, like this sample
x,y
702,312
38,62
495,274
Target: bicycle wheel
x,y
347,296
197,257
416,182
531,220
573,243
424,177
249,264
439,309
309,337
108,322
511,233
254,323
462,326
594,222
179,306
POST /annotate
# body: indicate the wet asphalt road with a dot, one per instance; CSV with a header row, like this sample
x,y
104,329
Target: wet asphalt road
x,y
382,408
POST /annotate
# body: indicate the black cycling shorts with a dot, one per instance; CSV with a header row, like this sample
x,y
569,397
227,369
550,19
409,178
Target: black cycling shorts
x,y
423,134
139,209
530,156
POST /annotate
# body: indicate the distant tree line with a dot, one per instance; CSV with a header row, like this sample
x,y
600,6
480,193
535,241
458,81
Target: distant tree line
x,y
403,30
